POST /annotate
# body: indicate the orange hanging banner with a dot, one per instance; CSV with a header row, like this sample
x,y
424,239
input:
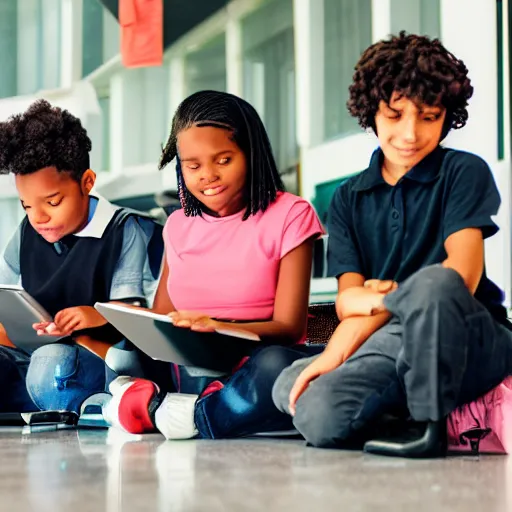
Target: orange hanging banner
x,y
142,32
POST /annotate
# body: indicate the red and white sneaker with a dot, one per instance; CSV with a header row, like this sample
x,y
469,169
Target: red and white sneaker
x,y
484,425
137,406
130,404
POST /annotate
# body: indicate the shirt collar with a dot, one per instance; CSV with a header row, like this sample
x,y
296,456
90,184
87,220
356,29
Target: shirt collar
x,y
101,218
424,172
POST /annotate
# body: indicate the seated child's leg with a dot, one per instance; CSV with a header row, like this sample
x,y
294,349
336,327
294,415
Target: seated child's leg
x,y
284,383
340,407
61,376
453,350
244,405
13,370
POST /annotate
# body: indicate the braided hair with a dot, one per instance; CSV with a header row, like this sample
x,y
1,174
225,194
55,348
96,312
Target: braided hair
x,y
228,112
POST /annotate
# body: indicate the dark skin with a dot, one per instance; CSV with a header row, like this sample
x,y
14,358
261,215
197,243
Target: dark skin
x,y
56,206
214,169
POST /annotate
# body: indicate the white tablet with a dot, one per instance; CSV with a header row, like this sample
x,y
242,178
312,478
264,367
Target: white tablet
x,y
160,339
18,311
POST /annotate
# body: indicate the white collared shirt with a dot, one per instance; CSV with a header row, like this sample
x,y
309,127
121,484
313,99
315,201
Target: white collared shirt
x,y
132,277
101,213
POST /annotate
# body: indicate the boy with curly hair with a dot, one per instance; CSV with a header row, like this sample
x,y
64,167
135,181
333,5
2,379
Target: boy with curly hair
x,y
423,330
71,250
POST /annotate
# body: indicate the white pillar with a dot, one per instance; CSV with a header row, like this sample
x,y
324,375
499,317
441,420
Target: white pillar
x,y
71,42
381,19
309,51
125,119
176,96
177,83
503,173
309,69
479,56
234,57
475,42
506,81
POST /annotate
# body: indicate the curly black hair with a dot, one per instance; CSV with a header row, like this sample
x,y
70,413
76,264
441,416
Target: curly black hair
x,y
416,67
44,136
229,112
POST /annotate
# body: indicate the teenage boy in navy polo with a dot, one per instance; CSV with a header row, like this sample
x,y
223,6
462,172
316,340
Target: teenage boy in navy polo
x,y
423,329
71,250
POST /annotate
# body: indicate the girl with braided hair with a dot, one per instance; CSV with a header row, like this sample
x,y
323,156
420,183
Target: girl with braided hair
x,y
240,250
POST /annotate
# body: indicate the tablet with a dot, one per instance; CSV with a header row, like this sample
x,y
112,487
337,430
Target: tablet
x,y
18,311
160,339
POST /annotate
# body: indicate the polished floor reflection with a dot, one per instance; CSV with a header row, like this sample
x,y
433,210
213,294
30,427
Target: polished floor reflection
x,y
88,470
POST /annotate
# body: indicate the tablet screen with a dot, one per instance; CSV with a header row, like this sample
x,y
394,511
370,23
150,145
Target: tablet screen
x,y
18,311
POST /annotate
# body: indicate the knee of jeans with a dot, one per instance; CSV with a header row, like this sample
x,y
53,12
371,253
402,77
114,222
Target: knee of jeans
x,y
271,361
436,282
52,368
285,381
324,413
282,387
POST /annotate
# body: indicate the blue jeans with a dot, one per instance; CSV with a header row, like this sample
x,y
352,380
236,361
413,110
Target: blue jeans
x,y
244,405
441,349
13,370
62,376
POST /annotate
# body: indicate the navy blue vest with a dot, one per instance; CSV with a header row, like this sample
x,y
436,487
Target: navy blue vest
x,y
77,271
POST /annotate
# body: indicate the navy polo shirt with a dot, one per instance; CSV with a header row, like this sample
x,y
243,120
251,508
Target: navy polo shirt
x,y
390,232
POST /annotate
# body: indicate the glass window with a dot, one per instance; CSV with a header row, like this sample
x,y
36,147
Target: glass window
x,y
11,214
324,192
100,36
347,33
156,126
30,43
146,109
104,101
421,17
205,67
269,80
8,48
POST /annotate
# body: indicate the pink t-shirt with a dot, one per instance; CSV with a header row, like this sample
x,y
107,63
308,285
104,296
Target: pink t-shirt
x,y
228,268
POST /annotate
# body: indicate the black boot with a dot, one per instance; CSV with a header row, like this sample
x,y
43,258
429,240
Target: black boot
x,y
429,442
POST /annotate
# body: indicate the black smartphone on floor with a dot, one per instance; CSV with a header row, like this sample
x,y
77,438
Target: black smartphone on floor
x,y
51,418
39,418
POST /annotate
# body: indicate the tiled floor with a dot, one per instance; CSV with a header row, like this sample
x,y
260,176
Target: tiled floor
x,y
98,471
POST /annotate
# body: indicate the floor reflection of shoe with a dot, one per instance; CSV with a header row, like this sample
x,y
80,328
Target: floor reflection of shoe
x,y
422,440
175,463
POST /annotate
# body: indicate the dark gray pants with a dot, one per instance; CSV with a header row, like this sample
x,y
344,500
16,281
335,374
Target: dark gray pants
x,y
441,349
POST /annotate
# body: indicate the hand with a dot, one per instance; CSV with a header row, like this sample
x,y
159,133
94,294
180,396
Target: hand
x,y
360,301
194,321
381,286
69,320
45,329
324,363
